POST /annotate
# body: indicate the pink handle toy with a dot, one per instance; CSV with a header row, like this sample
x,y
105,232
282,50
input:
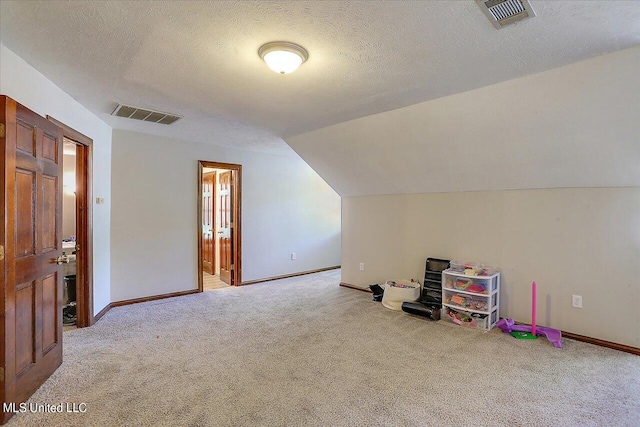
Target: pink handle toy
x,y
533,308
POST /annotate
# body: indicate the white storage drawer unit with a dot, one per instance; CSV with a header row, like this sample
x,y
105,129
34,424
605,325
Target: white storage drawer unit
x,y
471,301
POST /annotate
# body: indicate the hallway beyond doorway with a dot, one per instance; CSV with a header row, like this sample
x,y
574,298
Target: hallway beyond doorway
x,y
211,282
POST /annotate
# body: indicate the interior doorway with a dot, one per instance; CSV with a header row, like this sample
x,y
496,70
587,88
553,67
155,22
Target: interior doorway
x,y
219,225
69,235
77,235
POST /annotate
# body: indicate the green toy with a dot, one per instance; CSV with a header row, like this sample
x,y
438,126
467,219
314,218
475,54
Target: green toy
x,y
523,335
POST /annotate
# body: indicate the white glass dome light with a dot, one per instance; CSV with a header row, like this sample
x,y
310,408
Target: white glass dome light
x,y
283,57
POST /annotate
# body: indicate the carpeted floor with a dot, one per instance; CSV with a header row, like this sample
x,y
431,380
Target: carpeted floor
x,y
304,351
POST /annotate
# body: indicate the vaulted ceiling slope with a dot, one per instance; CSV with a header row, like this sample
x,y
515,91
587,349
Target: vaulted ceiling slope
x,y
574,126
199,59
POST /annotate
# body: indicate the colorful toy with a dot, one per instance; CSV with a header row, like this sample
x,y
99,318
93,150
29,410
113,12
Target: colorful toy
x,y
553,335
474,320
462,284
477,288
467,285
466,302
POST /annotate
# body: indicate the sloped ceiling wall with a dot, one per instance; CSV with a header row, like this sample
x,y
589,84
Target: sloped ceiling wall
x,y
574,126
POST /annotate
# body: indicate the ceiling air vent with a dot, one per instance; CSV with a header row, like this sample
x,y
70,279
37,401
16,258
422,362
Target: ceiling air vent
x,y
145,115
505,12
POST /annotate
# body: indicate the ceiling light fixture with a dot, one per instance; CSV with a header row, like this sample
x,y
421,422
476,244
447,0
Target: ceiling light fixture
x,y
283,57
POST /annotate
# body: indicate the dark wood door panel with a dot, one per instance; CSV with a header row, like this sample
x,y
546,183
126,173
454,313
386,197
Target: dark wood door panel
x,y
49,148
49,313
25,326
31,318
25,220
26,138
49,240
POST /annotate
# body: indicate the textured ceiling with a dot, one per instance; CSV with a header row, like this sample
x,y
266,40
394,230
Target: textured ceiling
x,y
199,59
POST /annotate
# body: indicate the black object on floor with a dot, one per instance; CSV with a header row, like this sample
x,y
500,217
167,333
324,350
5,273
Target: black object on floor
x,y
68,320
432,289
70,285
69,315
378,291
418,308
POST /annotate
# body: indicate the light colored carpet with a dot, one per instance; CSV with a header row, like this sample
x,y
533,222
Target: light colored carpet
x,y
304,351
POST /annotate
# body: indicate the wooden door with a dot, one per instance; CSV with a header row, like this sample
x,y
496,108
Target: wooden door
x,y
226,224
31,321
208,225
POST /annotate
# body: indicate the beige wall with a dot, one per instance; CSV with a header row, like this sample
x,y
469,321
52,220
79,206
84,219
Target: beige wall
x,y
574,126
571,127
286,207
571,241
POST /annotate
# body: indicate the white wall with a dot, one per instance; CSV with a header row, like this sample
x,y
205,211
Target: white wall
x,y
29,87
286,207
571,241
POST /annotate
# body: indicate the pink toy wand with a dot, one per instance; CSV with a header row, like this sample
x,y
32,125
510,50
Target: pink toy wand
x,y
533,308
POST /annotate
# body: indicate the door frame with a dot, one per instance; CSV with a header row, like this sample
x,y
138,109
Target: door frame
x,y
236,197
84,222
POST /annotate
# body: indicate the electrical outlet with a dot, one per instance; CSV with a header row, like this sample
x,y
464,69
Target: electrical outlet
x,y
293,256
576,301
362,266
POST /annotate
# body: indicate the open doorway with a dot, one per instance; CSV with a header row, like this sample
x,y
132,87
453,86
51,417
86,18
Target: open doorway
x,y
77,237
219,225
69,235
